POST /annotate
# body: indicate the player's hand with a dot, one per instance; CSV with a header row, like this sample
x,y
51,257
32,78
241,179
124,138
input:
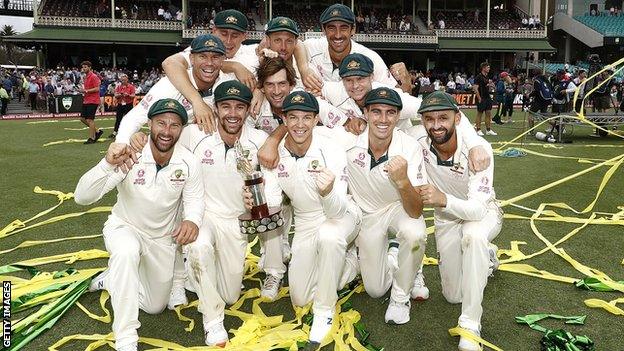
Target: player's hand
x,y
325,181
268,53
478,159
402,76
315,92
244,75
138,141
355,125
268,156
121,155
397,171
431,196
204,117
263,44
247,198
256,103
186,233
311,81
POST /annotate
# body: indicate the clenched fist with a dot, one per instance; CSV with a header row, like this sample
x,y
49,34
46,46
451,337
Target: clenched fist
x,y
325,182
430,195
397,170
122,156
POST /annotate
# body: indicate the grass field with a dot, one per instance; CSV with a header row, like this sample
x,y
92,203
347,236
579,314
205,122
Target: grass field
x,y
25,163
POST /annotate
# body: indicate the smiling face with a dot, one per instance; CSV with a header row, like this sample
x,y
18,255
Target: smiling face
x,y
283,43
165,130
276,87
382,119
231,38
339,35
206,66
357,87
232,114
440,125
300,125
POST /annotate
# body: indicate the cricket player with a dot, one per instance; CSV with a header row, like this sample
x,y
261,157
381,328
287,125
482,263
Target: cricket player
x,y
312,172
207,55
145,225
324,55
241,60
385,169
467,216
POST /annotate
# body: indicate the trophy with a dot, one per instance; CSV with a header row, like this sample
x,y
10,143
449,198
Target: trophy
x,y
261,218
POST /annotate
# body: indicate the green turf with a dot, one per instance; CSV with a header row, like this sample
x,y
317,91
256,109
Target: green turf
x,y
24,163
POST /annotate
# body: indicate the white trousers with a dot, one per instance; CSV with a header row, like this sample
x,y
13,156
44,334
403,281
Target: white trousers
x,y
372,243
140,274
272,255
464,260
216,265
317,267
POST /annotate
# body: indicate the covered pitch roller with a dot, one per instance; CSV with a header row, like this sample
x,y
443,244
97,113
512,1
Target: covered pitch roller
x,y
262,218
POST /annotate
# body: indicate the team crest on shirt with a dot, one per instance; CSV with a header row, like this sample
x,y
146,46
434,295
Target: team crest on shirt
x,y
177,177
140,179
360,160
281,171
458,169
207,159
314,168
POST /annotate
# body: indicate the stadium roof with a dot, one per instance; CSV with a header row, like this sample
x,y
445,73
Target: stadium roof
x,y
97,36
496,45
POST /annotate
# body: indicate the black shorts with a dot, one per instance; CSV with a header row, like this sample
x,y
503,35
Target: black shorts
x,y
602,102
88,111
538,105
484,105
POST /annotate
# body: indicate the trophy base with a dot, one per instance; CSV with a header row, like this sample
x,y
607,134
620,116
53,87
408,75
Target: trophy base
x,y
250,225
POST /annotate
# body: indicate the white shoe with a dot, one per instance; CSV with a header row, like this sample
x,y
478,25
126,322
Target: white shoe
x,y
490,132
216,335
397,312
479,132
321,325
466,344
270,287
176,298
494,263
131,347
97,283
420,291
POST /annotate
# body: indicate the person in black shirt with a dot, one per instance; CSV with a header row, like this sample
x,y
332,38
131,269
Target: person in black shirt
x,y
484,100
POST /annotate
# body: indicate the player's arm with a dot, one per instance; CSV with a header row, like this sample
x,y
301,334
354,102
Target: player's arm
x,y
478,157
102,178
272,190
133,121
175,67
331,184
193,204
475,88
309,77
330,115
397,168
268,155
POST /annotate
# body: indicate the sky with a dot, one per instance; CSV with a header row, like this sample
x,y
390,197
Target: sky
x,y
20,24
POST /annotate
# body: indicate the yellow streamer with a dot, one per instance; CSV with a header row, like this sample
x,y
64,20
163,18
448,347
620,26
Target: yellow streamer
x,y
29,243
106,318
459,331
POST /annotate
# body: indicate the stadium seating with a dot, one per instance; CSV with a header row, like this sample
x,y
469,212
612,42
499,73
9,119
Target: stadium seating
x,y
148,10
498,19
605,24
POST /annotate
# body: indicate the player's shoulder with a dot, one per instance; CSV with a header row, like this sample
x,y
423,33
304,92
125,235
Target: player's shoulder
x,y
405,143
315,46
255,136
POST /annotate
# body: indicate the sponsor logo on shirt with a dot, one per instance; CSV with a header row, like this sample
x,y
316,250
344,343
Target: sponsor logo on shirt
x,y
207,159
333,119
140,180
360,160
345,175
281,171
419,175
426,156
186,104
484,188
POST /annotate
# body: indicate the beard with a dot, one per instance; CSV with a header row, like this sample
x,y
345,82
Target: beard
x,y
439,140
163,146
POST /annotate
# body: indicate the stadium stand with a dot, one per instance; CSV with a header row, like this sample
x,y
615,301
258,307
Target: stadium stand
x,y
605,24
465,19
148,10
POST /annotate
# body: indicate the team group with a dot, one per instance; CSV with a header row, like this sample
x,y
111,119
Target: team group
x,y
349,156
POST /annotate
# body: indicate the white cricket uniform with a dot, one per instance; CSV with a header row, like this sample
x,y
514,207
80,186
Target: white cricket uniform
x,y
138,232
464,228
246,55
137,117
337,95
324,226
216,259
383,215
319,60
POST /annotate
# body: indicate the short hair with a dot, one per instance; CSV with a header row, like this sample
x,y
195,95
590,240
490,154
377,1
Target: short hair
x,y
271,66
484,64
85,63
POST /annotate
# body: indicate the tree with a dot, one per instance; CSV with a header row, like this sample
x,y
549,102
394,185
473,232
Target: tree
x,y
7,31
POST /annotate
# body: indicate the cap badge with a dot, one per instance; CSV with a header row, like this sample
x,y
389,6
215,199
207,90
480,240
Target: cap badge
x,y
210,42
170,104
335,13
353,65
233,91
382,93
297,99
231,19
283,22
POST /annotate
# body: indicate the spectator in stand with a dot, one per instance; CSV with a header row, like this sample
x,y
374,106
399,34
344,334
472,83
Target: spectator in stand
x,y
4,100
388,22
441,24
476,15
612,11
460,83
91,89
451,86
525,23
124,96
167,15
537,22
124,13
7,84
6,4
359,23
532,22
366,23
134,11
161,13
178,16
415,83
33,90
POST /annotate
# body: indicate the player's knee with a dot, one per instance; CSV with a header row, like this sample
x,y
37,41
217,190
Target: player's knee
x,y
473,235
200,253
375,290
155,308
299,296
126,254
231,297
451,292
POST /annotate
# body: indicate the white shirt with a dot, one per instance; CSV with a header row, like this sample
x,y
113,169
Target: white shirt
x,y
336,94
441,24
148,200
330,116
296,177
137,117
161,12
451,85
246,56
372,189
467,194
318,52
223,194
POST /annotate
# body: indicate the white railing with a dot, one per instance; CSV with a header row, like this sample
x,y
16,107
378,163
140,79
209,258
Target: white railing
x,y
370,38
107,23
494,33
